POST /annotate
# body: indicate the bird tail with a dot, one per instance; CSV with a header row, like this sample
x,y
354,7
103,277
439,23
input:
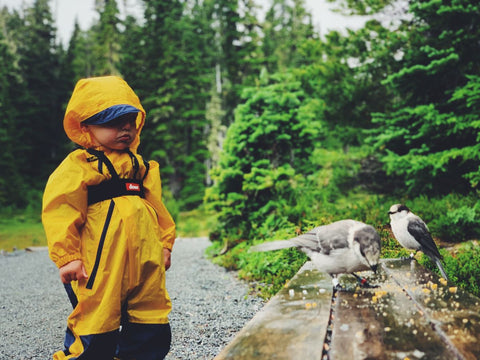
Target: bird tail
x,y
272,245
442,270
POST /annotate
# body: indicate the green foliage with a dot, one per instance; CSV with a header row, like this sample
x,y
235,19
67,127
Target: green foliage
x,y
195,223
270,141
106,39
268,272
435,153
174,85
360,7
430,138
285,27
10,133
459,224
462,266
344,75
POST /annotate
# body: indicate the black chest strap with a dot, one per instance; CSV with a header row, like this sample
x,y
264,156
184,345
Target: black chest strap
x,y
115,186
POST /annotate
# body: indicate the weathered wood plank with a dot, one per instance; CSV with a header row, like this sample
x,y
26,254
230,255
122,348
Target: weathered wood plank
x,y
452,312
292,325
382,323
413,314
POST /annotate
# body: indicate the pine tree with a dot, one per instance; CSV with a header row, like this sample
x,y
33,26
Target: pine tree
x,y
174,86
11,128
285,27
133,56
106,48
237,42
79,58
430,137
44,137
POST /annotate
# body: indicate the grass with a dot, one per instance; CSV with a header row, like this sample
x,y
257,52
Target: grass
x,y
195,223
21,232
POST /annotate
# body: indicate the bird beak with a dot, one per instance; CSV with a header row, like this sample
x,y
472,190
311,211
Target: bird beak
x,y
374,268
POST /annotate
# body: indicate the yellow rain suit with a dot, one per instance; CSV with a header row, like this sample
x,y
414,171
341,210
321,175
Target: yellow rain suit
x,y
120,239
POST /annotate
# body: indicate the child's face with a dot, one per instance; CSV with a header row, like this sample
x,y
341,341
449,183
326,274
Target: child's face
x,y
117,134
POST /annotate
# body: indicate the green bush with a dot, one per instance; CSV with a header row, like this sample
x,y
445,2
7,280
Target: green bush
x,y
266,272
462,266
269,143
459,224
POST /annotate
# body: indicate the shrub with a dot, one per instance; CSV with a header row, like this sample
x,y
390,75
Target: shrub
x,y
266,272
271,139
462,266
459,224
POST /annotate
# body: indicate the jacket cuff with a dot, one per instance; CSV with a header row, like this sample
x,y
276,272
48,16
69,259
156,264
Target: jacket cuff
x,y
167,245
66,259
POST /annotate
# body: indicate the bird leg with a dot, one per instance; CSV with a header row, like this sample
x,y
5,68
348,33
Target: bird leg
x,y
362,282
336,283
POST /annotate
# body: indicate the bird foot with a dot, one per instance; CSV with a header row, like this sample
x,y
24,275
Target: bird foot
x,y
367,285
363,283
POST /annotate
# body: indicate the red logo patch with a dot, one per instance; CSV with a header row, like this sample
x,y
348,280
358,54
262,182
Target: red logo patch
x,y
132,187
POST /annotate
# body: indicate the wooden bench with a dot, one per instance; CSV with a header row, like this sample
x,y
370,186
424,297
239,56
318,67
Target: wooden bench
x,y
413,314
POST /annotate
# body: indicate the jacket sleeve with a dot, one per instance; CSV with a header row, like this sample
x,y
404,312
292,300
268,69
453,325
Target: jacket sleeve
x,y
153,194
64,211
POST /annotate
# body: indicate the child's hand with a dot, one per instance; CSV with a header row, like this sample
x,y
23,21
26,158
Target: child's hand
x,y
74,270
167,258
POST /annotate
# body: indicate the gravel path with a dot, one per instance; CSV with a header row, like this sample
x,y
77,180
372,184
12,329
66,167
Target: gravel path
x,y
209,305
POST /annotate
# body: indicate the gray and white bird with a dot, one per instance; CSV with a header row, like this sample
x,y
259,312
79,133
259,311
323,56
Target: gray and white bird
x,y
413,234
343,246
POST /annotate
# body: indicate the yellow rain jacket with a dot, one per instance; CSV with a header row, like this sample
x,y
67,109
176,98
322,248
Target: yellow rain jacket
x,y
119,240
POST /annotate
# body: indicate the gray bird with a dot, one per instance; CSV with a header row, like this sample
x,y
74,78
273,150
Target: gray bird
x,y
413,234
343,246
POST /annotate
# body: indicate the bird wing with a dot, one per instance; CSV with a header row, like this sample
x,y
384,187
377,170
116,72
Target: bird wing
x,y
418,229
307,242
324,239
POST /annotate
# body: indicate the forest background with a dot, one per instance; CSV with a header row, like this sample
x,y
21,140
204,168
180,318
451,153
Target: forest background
x,y
264,128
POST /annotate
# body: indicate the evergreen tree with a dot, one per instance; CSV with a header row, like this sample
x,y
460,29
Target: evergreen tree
x,y
268,144
132,61
285,27
175,87
106,48
79,58
41,109
431,134
11,128
237,49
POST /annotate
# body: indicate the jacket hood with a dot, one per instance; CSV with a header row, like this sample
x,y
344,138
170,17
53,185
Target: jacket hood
x,y
92,96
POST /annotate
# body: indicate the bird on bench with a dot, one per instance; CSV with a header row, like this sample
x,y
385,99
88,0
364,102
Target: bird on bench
x,y
413,234
342,247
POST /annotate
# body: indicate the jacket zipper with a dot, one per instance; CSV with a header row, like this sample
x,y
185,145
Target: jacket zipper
x,y
100,246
